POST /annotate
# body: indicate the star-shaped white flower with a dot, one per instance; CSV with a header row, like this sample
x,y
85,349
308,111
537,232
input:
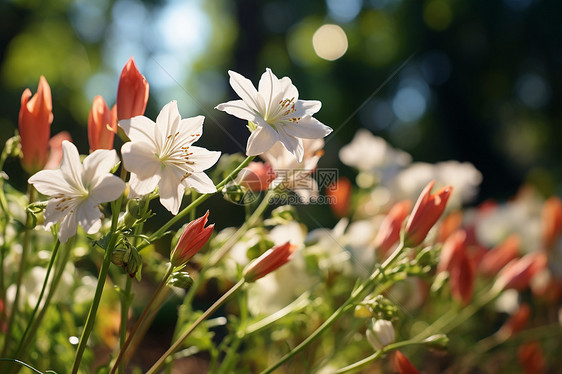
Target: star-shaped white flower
x,y
277,113
77,189
162,154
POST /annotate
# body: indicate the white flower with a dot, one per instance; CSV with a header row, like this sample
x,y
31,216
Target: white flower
x,y
162,154
292,174
370,153
277,112
76,190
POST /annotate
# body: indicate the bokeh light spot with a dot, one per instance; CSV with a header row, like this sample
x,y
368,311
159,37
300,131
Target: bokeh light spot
x,y
437,14
344,11
409,104
329,42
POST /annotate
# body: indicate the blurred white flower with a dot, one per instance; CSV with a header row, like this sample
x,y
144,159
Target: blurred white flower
x,y
276,111
292,174
163,154
370,153
463,176
77,189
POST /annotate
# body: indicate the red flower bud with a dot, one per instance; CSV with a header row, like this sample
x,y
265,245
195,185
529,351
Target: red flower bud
x,y
403,365
551,221
193,238
340,196
55,149
531,358
496,258
389,231
102,125
518,273
453,248
269,261
256,176
426,212
35,118
132,92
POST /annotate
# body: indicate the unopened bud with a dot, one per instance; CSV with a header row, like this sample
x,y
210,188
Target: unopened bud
x,y
118,255
362,311
234,193
380,333
12,146
437,341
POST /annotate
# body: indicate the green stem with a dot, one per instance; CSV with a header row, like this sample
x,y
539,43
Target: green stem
x,y
39,300
116,208
141,319
197,202
124,315
203,317
21,270
357,294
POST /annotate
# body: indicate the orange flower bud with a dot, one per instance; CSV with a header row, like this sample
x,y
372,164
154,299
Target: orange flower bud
x,y
193,238
499,256
426,212
132,92
531,358
35,118
461,279
269,261
453,247
340,196
102,125
450,224
389,231
55,149
518,273
551,221
256,176
403,365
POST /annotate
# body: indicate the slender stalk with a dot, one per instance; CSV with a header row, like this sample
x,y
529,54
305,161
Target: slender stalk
x,y
21,270
116,208
203,317
357,294
141,319
39,300
195,203
124,315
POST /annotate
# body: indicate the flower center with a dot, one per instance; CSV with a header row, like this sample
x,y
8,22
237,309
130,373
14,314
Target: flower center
x,y
175,152
284,109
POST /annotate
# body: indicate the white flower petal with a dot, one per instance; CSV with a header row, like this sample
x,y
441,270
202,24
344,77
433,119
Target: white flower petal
x,y
171,190
200,182
70,166
288,89
307,107
268,89
50,182
139,129
53,213
89,217
108,188
140,158
98,164
169,118
239,109
203,158
261,140
68,227
307,128
190,129
292,144
244,88
139,187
